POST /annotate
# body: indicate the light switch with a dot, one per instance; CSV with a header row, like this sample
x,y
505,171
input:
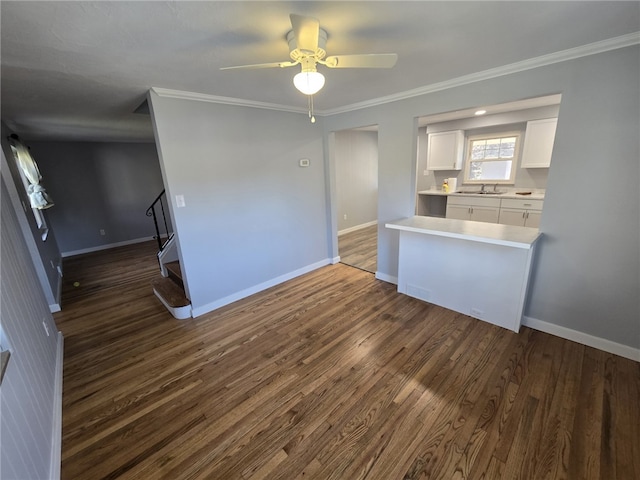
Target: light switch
x,y
304,162
180,201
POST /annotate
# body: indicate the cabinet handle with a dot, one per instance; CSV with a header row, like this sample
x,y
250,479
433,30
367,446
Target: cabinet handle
x,y
526,204
523,214
527,214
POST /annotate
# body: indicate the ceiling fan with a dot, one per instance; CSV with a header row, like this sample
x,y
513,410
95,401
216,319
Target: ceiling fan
x,y
307,43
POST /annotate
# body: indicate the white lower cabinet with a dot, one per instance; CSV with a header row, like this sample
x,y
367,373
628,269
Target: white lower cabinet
x,y
523,213
473,208
507,211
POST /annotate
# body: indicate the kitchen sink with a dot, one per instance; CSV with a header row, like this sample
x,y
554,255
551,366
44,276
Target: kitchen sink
x,y
478,192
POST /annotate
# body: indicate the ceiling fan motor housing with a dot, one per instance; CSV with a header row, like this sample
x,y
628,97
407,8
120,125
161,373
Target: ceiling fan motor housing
x,y
297,55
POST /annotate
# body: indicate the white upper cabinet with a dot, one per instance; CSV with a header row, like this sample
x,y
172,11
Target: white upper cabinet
x,y
538,143
445,150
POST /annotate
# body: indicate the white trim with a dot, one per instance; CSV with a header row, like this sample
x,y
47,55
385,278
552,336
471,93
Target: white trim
x,y
239,102
106,247
55,307
583,338
357,227
179,313
335,260
386,278
196,312
56,432
536,62
531,63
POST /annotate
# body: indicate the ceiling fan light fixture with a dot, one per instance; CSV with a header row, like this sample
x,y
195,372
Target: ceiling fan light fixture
x,y
309,83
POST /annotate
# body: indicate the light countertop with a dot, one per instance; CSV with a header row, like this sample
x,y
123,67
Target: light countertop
x,y
498,234
533,196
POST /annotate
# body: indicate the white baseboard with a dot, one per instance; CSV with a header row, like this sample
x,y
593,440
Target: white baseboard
x,y
583,338
210,307
387,278
357,227
55,307
106,247
335,260
56,431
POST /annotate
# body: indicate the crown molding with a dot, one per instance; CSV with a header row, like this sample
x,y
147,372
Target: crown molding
x,y
556,57
536,62
239,102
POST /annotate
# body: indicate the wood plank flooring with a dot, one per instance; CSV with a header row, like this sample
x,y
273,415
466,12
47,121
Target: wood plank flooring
x,y
332,375
360,248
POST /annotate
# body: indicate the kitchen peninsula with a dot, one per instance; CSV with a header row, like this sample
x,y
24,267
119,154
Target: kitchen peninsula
x,y
476,268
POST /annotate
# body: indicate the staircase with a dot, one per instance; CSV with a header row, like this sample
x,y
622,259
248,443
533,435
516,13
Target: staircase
x,y
169,286
170,291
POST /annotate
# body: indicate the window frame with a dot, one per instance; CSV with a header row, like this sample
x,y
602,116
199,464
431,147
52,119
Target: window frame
x,y
489,136
38,215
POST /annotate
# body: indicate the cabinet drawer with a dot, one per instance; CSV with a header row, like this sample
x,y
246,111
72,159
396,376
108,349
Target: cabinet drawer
x,y
522,204
473,201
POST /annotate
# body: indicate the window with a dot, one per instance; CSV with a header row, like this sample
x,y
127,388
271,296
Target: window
x,y
30,175
492,158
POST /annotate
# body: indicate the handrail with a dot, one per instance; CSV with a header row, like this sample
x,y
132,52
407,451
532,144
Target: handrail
x,y
151,212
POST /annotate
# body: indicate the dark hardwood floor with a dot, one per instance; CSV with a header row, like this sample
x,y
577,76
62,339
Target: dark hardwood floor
x,y
360,248
332,375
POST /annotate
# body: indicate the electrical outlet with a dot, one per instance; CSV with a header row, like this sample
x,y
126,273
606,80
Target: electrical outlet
x,y
344,217
102,232
46,329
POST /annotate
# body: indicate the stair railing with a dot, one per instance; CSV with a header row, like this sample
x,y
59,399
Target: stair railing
x,y
159,202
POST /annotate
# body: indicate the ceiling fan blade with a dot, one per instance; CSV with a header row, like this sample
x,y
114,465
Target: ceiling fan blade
x,y
365,60
306,31
261,65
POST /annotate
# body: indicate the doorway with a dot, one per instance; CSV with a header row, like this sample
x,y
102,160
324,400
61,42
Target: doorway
x,y
356,166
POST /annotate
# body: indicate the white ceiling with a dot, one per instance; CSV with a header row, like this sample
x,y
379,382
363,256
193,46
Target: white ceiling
x,y
78,70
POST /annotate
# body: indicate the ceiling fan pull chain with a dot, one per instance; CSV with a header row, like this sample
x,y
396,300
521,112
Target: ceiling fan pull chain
x,y
313,119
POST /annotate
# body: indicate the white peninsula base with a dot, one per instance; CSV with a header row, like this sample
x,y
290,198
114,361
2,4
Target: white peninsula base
x,y
479,269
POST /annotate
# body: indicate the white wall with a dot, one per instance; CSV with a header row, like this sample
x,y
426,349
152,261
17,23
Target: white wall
x,y
586,274
356,160
31,393
253,216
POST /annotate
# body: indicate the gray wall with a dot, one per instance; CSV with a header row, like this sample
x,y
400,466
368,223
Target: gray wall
x,y
252,215
28,400
586,274
45,254
356,160
99,186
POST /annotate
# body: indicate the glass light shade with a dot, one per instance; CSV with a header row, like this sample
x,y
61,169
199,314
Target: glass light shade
x,y
309,82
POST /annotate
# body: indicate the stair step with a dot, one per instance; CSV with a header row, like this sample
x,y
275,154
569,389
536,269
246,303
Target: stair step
x,y
174,269
172,296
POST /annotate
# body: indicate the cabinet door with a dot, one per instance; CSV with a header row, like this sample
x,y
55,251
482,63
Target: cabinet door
x,y
538,143
444,150
460,212
532,219
485,214
509,216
